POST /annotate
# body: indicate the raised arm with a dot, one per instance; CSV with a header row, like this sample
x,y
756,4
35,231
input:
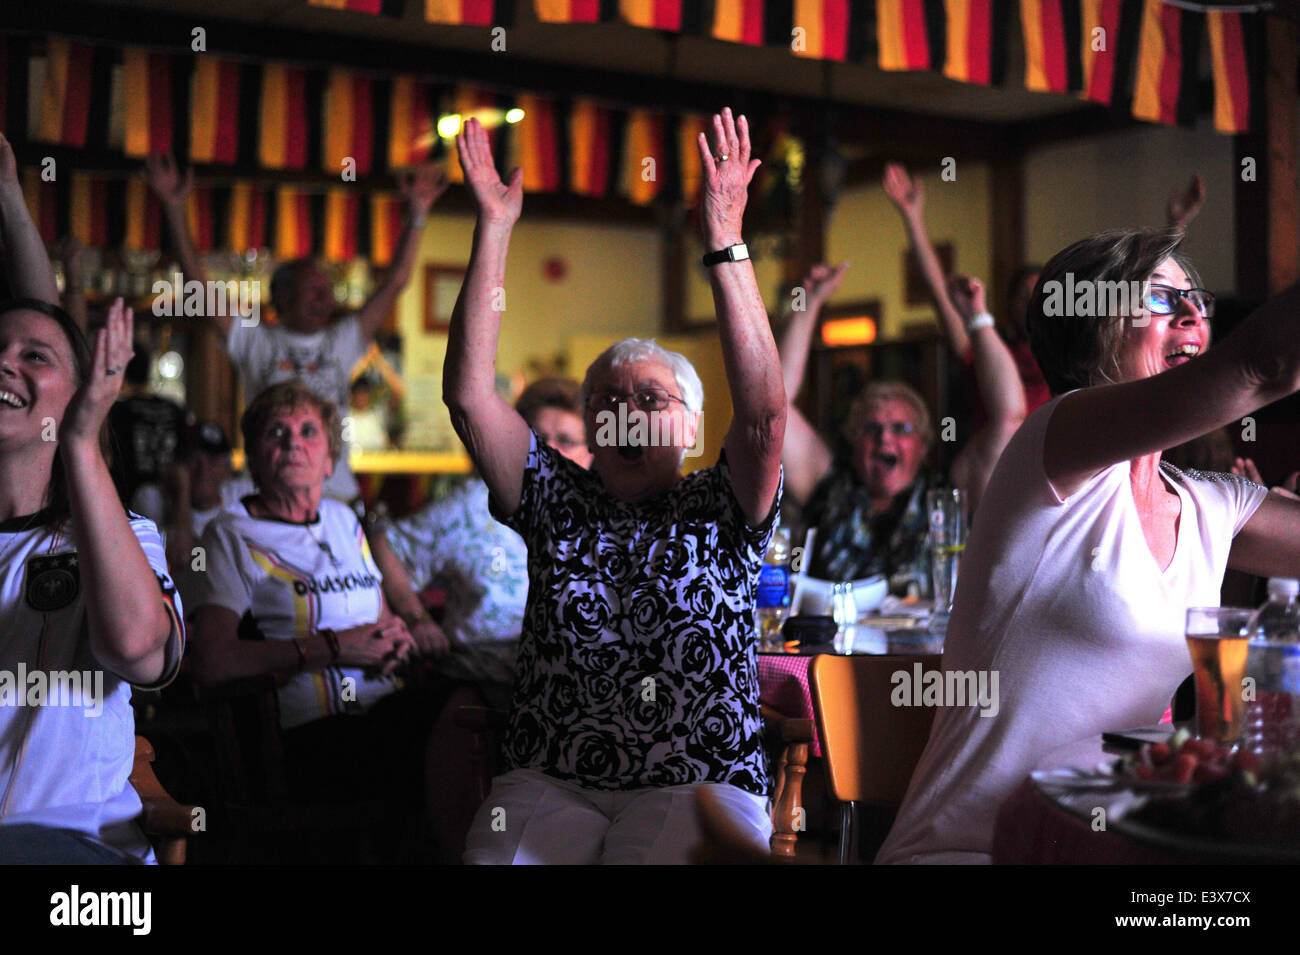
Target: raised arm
x,y
1269,544
172,190
996,375
805,455
1185,203
74,282
422,189
496,437
126,613
909,198
1256,365
758,401
26,263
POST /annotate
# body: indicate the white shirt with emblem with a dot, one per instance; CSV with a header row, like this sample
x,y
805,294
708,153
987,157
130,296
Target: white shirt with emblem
x,y
287,580
67,731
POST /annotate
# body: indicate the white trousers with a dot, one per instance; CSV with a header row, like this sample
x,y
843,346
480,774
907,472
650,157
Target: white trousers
x,y
530,818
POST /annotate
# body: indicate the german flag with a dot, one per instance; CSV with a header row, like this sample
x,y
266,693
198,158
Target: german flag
x,y
147,89
482,13
350,122
910,33
536,143
88,208
293,226
645,156
411,134
386,219
1228,53
389,8
590,145
214,113
976,34
739,21
143,217
1053,56
247,212
198,213
575,11
284,133
468,102
678,16
690,171
1165,90
65,101
342,223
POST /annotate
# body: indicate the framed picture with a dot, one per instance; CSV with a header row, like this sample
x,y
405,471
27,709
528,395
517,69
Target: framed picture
x,y
915,292
441,287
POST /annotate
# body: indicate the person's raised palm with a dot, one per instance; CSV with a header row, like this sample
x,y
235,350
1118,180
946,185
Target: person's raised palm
x,y
902,190
497,201
821,282
422,187
165,180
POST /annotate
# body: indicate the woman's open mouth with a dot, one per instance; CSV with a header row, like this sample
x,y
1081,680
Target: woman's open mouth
x,y
1182,354
11,400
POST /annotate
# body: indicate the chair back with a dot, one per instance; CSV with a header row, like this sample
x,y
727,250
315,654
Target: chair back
x,y
870,747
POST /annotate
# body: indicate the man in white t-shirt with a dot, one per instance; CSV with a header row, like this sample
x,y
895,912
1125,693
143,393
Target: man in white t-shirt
x,y
304,343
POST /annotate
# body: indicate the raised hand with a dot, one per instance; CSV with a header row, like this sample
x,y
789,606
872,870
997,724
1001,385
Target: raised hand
x,y
728,170
497,201
821,282
8,165
904,192
967,295
167,183
90,404
1245,467
422,187
1185,203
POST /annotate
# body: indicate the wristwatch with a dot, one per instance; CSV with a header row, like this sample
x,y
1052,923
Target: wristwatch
x,y
732,253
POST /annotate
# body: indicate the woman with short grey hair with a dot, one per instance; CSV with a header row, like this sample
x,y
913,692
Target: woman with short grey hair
x,y
1088,548
636,679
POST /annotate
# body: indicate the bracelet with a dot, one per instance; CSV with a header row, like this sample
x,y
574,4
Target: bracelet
x,y
302,654
982,320
732,253
332,641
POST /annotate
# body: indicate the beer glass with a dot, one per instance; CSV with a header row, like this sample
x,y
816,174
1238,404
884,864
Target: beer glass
x,y
1218,640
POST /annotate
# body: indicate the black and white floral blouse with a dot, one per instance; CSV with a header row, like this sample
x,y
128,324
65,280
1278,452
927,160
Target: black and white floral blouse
x,y
636,667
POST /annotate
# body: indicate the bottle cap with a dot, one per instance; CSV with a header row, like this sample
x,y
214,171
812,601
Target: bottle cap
x,y
1283,588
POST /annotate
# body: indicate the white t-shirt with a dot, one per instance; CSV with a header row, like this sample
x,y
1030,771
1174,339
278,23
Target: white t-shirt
x,y
292,580
67,731
269,354
1064,601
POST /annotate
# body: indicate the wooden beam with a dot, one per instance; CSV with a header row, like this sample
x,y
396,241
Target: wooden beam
x,y
1006,227
1282,184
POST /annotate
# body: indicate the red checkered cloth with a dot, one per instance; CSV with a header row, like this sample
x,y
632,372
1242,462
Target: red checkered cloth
x,y
783,685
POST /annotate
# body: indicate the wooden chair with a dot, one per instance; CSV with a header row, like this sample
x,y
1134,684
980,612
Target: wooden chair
x,y
870,747
790,736
167,823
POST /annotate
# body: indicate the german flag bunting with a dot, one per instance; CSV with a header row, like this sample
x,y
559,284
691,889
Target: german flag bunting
x,y
910,33
293,223
1231,68
645,156
247,211
590,145
284,121
143,217
147,90
1165,89
89,209
349,128
820,29
214,111
575,11
202,222
1053,57
65,101
690,170
386,219
536,144
678,16
342,223
389,8
464,12
411,135
739,21
976,40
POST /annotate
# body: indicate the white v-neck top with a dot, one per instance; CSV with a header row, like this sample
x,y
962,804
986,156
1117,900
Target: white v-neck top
x,y
1064,600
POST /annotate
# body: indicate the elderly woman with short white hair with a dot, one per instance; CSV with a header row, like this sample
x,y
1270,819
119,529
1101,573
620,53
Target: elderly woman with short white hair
x,y
636,676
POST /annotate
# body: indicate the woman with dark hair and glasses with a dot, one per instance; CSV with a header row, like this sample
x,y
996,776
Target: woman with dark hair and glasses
x,y
636,680
86,606
1089,548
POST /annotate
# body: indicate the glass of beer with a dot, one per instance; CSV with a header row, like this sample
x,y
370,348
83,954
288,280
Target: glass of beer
x,y
947,509
1218,641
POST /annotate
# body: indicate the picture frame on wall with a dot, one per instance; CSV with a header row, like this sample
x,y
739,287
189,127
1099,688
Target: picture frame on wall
x,y
442,283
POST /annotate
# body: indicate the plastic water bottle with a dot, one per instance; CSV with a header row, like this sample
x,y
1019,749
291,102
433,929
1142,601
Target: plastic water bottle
x,y
773,604
1270,722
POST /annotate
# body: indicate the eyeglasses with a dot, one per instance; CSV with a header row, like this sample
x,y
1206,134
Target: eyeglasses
x,y
645,399
1164,299
899,429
